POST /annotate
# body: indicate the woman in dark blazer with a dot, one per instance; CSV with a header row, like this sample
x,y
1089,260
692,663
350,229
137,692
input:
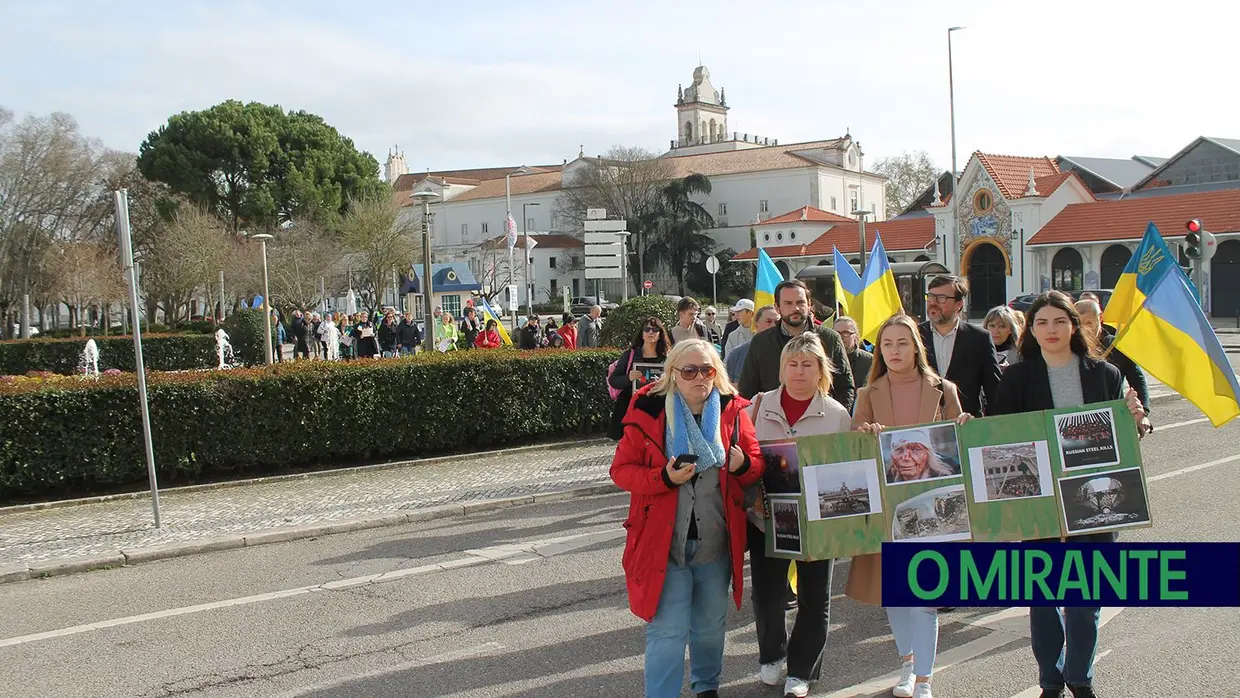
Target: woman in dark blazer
x,y
1059,368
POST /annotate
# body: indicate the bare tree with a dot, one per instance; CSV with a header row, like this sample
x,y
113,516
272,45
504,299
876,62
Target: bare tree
x,y
300,262
186,259
628,183
82,275
381,240
494,273
908,175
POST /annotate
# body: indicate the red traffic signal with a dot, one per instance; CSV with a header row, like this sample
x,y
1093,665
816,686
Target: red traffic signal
x,y
1193,225
1192,238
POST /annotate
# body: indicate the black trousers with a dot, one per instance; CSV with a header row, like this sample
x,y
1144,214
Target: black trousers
x,y
768,591
301,349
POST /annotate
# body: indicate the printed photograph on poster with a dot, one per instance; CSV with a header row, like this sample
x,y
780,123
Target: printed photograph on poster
x,y
650,373
786,513
1103,501
939,515
921,453
1087,439
1011,471
782,474
844,489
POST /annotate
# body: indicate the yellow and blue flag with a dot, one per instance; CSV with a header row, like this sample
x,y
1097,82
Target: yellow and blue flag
x,y
879,298
1161,327
488,313
767,278
847,285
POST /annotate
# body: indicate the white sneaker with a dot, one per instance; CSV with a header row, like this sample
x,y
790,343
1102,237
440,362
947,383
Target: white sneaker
x,y
904,687
797,688
770,674
922,690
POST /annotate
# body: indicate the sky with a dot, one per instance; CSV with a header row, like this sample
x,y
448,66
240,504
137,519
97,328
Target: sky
x,y
489,84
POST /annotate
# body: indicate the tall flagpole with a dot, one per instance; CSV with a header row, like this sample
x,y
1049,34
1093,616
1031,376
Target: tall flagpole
x,y
511,276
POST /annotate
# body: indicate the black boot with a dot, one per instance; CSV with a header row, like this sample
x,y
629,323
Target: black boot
x,y
1082,692
712,693
1048,693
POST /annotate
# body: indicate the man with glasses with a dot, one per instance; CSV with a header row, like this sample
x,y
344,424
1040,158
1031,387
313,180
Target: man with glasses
x,y
956,350
859,359
760,372
713,328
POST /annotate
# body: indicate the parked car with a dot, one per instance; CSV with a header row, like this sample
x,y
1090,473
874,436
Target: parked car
x,y
1022,303
582,304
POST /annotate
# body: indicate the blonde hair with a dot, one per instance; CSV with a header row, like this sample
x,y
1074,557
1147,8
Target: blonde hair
x,y
1014,320
879,368
675,358
808,344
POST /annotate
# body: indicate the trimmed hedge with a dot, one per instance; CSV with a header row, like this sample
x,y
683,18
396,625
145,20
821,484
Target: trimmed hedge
x,y
623,323
161,352
69,437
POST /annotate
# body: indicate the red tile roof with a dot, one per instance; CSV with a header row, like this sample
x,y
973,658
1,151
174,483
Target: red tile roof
x,y
1125,219
1011,173
899,235
521,184
807,214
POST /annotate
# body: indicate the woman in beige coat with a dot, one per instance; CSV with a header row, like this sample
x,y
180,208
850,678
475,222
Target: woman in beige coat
x,y
800,406
902,391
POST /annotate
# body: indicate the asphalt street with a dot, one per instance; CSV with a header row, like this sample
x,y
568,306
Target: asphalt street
x,y
530,602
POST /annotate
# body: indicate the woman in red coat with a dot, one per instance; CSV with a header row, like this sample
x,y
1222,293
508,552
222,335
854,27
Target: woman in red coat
x,y
488,338
686,526
568,331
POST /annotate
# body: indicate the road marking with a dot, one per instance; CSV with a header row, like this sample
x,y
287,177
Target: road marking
x,y
1192,468
1164,427
486,648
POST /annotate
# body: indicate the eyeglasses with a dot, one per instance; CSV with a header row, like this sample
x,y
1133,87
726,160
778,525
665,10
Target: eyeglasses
x,y
651,330
846,333
692,372
941,298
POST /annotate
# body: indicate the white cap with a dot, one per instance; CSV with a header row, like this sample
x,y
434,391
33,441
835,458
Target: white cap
x,y
911,436
743,304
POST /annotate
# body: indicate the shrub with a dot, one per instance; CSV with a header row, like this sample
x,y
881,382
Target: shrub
x,y
67,436
167,352
622,324
245,330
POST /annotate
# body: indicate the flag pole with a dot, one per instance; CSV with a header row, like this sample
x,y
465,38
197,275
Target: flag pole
x,y
508,203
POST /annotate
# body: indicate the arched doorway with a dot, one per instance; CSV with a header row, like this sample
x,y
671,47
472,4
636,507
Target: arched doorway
x,y
1067,270
1225,280
784,271
987,278
1114,259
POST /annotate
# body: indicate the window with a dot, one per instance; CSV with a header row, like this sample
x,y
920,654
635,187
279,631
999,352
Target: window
x,y
983,202
833,206
762,207
555,221
854,201
554,290
792,235
766,237
464,230
529,224
779,235
484,228
451,304
552,260
723,209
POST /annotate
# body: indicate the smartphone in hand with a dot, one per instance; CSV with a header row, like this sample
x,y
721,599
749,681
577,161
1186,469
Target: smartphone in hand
x,y
683,459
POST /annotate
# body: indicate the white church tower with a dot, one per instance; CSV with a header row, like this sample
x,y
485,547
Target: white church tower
x,y
702,120
395,165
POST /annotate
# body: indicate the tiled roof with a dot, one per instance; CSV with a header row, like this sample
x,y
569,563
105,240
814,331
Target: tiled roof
x,y
1125,219
763,159
407,182
552,241
806,214
899,235
521,184
1011,173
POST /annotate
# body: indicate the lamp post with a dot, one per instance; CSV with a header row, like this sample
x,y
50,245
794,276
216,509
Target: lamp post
x,y
263,238
861,234
428,289
951,97
529,278
624,265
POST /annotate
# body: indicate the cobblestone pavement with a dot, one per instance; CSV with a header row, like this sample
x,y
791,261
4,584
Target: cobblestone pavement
x,y
94,529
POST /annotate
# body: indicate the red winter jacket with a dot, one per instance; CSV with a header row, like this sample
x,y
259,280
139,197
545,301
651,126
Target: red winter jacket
x,y
487,339
638,468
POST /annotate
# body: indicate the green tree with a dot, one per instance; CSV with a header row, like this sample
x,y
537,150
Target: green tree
x,y
624,322
255,165
734,280
908,176
681,223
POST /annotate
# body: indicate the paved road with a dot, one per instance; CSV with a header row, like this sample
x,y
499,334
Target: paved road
x,y
529,602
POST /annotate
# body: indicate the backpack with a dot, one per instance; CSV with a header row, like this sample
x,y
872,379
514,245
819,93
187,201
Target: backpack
x,y
612,391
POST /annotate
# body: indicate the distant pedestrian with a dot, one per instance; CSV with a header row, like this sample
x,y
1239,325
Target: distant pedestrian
x,y
470,326
650,346
364,339
590,328
568,331
489,338
687,324
859,360
743,331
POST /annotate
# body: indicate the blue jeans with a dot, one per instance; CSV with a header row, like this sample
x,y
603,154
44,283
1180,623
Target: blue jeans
x,y
1064,646
693,611
406,351
917,633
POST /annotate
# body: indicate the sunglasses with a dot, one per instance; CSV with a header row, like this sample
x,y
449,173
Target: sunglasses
x,y
692,372
650,330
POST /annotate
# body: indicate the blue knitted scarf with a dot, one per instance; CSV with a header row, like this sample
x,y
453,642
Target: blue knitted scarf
x,y
684,436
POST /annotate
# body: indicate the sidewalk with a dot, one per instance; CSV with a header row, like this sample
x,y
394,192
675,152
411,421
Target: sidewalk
x,y
208,518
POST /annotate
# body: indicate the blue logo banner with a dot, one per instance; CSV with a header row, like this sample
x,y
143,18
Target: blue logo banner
x,y
1061,574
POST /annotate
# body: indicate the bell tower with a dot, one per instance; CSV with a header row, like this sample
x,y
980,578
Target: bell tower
x,y
701,112
395,165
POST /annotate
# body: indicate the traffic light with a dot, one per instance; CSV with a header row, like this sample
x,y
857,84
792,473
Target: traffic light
x,y
1192,239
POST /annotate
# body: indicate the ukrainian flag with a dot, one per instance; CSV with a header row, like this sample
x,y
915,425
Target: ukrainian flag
x,y
768,277
879,298
488,313
1161,327
847,285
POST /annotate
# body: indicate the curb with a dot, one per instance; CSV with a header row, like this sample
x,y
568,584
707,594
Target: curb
x,y
126,557
206,487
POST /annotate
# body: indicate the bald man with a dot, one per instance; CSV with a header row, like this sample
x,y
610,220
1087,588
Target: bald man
x,y
1091,326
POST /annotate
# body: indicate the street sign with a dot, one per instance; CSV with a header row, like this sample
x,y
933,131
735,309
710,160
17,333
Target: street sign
x,y
603,226
603,273
596,214
712,264
512,298
602,239
647,284
605,249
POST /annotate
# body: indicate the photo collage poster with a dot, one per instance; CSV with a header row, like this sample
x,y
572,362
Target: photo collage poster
x,y
1101,485
923,484
838,493
1011,478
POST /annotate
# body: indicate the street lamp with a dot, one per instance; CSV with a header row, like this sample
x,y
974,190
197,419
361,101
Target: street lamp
x,y
529,280
951,97
624,265
861,233
428,310
263,238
